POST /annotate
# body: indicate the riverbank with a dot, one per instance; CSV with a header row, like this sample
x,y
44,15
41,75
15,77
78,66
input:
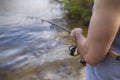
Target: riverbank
x,y
67,69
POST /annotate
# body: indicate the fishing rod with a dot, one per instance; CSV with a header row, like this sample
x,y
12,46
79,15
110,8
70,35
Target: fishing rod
x,y
72,49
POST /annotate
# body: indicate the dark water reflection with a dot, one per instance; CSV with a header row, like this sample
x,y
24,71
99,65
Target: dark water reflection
x,y
29,50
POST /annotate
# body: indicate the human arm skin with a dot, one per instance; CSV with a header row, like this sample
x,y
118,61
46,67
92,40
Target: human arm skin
x,y
102,30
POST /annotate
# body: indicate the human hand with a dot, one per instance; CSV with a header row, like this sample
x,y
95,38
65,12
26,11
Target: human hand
x,y
76,33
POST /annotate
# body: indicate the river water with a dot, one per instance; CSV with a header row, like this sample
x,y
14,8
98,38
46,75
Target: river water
x,y
29,49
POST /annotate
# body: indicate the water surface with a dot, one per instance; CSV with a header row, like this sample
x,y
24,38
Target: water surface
x,y
29,49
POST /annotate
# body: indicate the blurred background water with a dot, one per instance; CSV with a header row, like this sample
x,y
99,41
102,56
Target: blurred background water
x,y
29,50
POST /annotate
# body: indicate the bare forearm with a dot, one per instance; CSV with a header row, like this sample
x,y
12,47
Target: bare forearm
x,y
96,45
87,52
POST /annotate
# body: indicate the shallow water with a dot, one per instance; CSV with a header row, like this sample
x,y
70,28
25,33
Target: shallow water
x,y
29,49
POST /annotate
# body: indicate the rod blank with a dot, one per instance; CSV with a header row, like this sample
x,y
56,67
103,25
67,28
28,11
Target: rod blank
x,y
56,25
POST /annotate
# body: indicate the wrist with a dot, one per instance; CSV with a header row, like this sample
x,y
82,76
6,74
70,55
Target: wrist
x,y
81,45
79,37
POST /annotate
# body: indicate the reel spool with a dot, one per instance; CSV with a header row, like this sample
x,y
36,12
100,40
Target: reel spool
x,y
73,51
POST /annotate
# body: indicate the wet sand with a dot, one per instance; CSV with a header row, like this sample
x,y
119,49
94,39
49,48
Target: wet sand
x,y
68,69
